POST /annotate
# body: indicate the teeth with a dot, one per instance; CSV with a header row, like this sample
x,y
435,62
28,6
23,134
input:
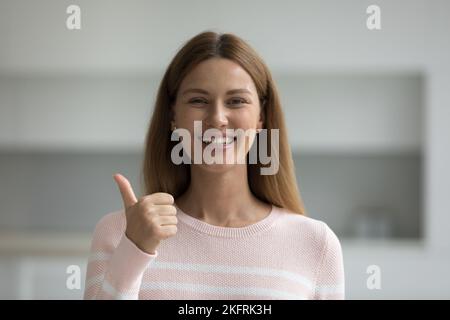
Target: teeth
x,y
222,140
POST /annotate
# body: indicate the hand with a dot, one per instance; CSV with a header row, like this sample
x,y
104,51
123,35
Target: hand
x,y
150,219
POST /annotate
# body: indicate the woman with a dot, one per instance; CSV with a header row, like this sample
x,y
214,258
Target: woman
x,y
220,230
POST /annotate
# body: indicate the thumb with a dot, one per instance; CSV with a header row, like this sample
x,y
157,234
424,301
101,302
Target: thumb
x,y
126,190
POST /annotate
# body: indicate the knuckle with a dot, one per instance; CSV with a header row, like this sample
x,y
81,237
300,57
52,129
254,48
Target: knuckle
x,y
165,197
152,210
162,234
173,210
154,230
168,232
153,220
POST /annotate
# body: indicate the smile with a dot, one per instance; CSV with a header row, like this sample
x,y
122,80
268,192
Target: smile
x,y
218,140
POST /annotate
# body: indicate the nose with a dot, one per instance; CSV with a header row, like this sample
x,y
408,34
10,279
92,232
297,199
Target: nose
x,y
217,115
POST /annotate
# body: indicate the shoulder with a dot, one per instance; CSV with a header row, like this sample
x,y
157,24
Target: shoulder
x,y
308,230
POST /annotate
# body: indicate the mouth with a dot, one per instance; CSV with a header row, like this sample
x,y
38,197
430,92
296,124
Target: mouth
x,y
223,142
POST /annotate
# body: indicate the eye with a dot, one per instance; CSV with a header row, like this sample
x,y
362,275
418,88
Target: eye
x,y
238,101
197,101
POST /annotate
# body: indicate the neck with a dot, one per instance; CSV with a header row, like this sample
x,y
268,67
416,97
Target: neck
x,y
222,198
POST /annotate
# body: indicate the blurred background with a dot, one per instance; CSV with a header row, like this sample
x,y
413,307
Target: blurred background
x,y
367,111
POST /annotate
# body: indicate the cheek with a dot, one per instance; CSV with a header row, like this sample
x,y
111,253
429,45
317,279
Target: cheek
x,y
246,119
185,117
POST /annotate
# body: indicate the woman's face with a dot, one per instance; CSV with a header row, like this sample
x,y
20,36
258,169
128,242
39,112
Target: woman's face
x,y
221,95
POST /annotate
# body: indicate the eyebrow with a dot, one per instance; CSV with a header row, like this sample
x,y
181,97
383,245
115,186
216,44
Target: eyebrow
x,y
233,91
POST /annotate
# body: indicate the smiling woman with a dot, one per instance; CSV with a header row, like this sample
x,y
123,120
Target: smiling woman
x,y
214,230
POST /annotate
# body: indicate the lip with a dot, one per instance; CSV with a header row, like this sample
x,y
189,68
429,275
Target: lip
x,y
223,136
224,146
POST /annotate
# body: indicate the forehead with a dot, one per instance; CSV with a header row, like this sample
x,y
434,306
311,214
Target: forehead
x,y
217,74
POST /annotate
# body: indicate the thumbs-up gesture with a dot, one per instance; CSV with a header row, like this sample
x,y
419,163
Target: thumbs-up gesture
x,y
150,219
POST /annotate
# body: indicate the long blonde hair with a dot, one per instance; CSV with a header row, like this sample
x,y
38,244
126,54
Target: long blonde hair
x,y
160,174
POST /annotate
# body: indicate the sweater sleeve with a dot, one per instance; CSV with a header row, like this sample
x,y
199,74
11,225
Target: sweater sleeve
x,y
116,265
330,282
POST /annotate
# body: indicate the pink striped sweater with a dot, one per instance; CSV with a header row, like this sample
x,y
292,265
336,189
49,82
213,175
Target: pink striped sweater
x,y
283,256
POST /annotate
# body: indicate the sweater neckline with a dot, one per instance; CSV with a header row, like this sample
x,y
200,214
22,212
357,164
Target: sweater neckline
x,y
228,232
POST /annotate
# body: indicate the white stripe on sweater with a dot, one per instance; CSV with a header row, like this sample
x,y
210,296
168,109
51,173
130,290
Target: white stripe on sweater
x,y
250,291
109,289
225,269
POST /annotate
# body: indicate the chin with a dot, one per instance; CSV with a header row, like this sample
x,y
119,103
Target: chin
x,y
218,168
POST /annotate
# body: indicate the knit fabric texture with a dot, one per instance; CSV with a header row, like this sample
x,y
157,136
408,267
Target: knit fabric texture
x,y
283,256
